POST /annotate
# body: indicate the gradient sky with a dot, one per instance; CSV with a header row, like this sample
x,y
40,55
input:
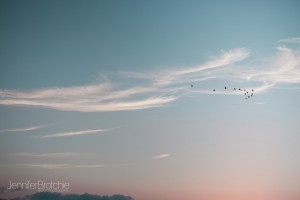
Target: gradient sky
x,y
97,93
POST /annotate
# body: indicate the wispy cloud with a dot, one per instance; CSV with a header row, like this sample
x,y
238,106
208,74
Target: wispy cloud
x,y
283,69
260,103
290,40
62,166
58,166
46,155
102,97
193,74
161,156
88,166
22,129
74,133
45,166
161,87
68,166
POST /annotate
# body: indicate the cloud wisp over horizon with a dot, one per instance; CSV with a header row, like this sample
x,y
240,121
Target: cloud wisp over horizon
x,y
162,87
27,129
165,155
74,133
62,166
46,155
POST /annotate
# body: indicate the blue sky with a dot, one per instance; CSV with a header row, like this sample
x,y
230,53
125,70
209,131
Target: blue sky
x,y
99,93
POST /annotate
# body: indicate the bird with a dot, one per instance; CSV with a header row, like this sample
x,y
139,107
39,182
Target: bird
x,y
192,85
234,88
214,90
248,96
252,90
225,88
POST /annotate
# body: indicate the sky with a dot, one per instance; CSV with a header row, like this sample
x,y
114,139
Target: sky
x,y
117,97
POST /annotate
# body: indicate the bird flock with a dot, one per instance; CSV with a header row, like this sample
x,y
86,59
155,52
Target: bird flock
x,y
248,94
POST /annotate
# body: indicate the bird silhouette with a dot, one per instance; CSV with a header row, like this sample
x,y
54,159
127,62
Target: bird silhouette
x,y
192,85
248,94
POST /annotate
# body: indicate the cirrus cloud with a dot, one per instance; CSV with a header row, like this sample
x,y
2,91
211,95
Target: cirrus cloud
x,y
32,128
161,87
161,156
74,133
107,96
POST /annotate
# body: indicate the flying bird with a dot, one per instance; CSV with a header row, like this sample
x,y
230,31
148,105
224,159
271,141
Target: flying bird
x,y
248,94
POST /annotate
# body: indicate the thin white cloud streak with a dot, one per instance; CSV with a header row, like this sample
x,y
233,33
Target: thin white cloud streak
x,y
87,166
22,129
67,166
260,103
46,155
45,166
62,166
160,88
161,156
226,58
290,40
74,133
